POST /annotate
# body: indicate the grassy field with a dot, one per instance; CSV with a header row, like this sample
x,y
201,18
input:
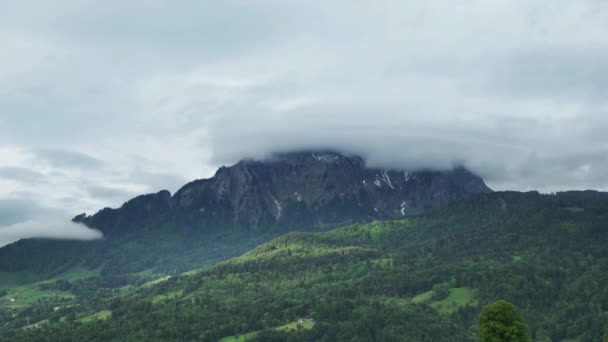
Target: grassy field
x,y
26,296
24,287
240,338
101,315
289,326
25,293
458,297
423,297
295,325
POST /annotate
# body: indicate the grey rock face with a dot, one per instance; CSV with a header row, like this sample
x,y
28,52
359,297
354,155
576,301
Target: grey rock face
x,y
302,190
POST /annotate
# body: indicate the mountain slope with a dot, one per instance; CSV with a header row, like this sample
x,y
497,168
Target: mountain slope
x,y
293,190
239,207
422,278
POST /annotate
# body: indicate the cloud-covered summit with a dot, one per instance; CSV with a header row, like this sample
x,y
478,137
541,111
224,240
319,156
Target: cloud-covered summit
x,y
102,101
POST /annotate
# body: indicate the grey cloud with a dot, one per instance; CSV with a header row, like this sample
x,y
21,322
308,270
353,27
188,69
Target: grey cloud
x,y
14,210
157,180
574,71
22,218
21,174
193,26
515,90
65,158
106,192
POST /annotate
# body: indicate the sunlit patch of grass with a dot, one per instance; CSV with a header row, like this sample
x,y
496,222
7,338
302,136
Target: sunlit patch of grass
x,y
25,294
166,296
101,315
290,326
423,297
457,298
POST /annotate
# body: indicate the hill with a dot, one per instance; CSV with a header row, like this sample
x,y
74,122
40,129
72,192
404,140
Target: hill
x,y
421,278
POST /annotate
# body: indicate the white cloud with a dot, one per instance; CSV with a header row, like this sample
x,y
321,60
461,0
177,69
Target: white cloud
x,y
48,230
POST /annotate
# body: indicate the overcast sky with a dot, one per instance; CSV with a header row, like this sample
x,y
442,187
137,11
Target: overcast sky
x,y
104,100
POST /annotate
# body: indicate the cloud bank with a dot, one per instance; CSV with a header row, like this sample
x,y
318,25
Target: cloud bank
x,y
49,230
103,101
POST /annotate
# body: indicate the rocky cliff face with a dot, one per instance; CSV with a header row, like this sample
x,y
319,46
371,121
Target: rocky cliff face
x,y
303,190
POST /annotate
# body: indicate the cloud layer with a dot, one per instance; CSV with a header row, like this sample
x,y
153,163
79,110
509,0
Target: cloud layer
x,y
49,230
103,101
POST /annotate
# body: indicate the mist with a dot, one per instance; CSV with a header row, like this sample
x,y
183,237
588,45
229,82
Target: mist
x,y
52,229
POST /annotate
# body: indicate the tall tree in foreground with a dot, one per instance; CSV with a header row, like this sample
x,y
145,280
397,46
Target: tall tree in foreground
x,y
501,322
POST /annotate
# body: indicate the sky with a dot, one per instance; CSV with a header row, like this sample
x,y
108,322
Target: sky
x,y
104,100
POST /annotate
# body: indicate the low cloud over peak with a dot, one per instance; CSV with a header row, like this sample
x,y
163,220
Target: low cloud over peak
x,y
102,100
56,229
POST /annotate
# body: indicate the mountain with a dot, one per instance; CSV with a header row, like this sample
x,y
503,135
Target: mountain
x,y
241,206
300,190
419,278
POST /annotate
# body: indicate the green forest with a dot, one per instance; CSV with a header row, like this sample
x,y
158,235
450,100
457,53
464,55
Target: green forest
x,y
423,278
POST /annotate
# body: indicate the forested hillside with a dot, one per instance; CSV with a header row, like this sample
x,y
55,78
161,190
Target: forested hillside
x,y
241,206
423,278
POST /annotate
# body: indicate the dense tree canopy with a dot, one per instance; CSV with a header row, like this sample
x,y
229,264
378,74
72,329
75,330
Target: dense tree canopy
x,y
501,322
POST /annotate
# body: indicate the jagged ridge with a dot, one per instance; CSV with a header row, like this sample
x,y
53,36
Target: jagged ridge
x,y
291,191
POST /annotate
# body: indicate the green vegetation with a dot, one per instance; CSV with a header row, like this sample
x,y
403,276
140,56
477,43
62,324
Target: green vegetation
x,y
456,299
306,325
423,297
500,322
421,279
239,338
295,326
166,296
158,252
101,315
571,227
27,293
9,280
450,300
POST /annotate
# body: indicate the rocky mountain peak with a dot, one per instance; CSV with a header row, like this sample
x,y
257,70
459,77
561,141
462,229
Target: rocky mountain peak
x,y
298,190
